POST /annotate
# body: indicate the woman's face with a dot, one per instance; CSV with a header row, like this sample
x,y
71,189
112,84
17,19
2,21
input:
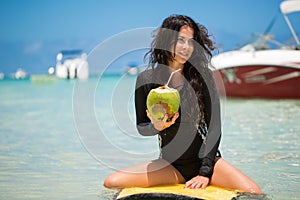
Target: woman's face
x,y
184,46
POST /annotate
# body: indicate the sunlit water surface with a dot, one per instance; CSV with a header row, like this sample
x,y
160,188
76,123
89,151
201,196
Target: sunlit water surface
x,y
45,154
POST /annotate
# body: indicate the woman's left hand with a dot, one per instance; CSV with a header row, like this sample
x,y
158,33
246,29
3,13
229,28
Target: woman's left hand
x,y
162,124
197,182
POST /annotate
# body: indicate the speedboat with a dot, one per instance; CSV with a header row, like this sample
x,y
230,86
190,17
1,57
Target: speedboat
x,y
258,71
71,64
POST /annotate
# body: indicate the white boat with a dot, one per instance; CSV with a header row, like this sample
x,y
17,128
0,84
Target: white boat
x,y
1,76
19,74
71,64
258,71
133,69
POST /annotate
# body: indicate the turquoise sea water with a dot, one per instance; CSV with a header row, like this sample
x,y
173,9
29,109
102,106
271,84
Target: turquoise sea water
x,y
51,149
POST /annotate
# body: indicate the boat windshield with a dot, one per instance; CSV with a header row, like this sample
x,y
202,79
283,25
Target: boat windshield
x,y
264,42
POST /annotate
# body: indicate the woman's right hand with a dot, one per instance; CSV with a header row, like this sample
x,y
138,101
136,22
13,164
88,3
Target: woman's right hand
x,y
162,124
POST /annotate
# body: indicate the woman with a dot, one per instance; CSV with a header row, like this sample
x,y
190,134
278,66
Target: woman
x,y
189,140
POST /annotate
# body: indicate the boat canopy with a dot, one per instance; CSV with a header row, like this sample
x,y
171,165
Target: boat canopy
x,y
69,54
289,6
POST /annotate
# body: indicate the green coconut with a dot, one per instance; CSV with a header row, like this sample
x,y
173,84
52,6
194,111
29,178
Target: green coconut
x,y
163,100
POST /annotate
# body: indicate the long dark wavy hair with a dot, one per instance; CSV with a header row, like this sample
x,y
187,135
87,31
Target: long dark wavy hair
x,y
196,68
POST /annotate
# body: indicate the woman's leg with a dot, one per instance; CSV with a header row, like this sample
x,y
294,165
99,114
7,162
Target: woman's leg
x,y
156,172
227,176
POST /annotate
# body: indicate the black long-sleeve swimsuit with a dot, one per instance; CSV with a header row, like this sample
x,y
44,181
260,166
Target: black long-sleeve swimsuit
x,y
182,144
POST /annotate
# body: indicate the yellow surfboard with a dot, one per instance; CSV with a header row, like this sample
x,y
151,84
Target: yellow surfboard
x,y
177,192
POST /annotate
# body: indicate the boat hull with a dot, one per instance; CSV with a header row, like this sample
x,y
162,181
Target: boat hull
x,y
261,81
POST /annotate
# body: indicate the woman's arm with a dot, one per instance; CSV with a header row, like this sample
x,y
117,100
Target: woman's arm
x,y
210,148
143,123
213,120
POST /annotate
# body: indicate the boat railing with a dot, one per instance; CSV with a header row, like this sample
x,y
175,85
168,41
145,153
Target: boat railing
x,y
260,42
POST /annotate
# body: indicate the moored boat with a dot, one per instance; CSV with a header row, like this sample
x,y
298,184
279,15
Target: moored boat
x,y
257,71
19,74
72,64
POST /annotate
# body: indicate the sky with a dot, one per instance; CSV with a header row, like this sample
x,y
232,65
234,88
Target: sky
x,y
34,31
